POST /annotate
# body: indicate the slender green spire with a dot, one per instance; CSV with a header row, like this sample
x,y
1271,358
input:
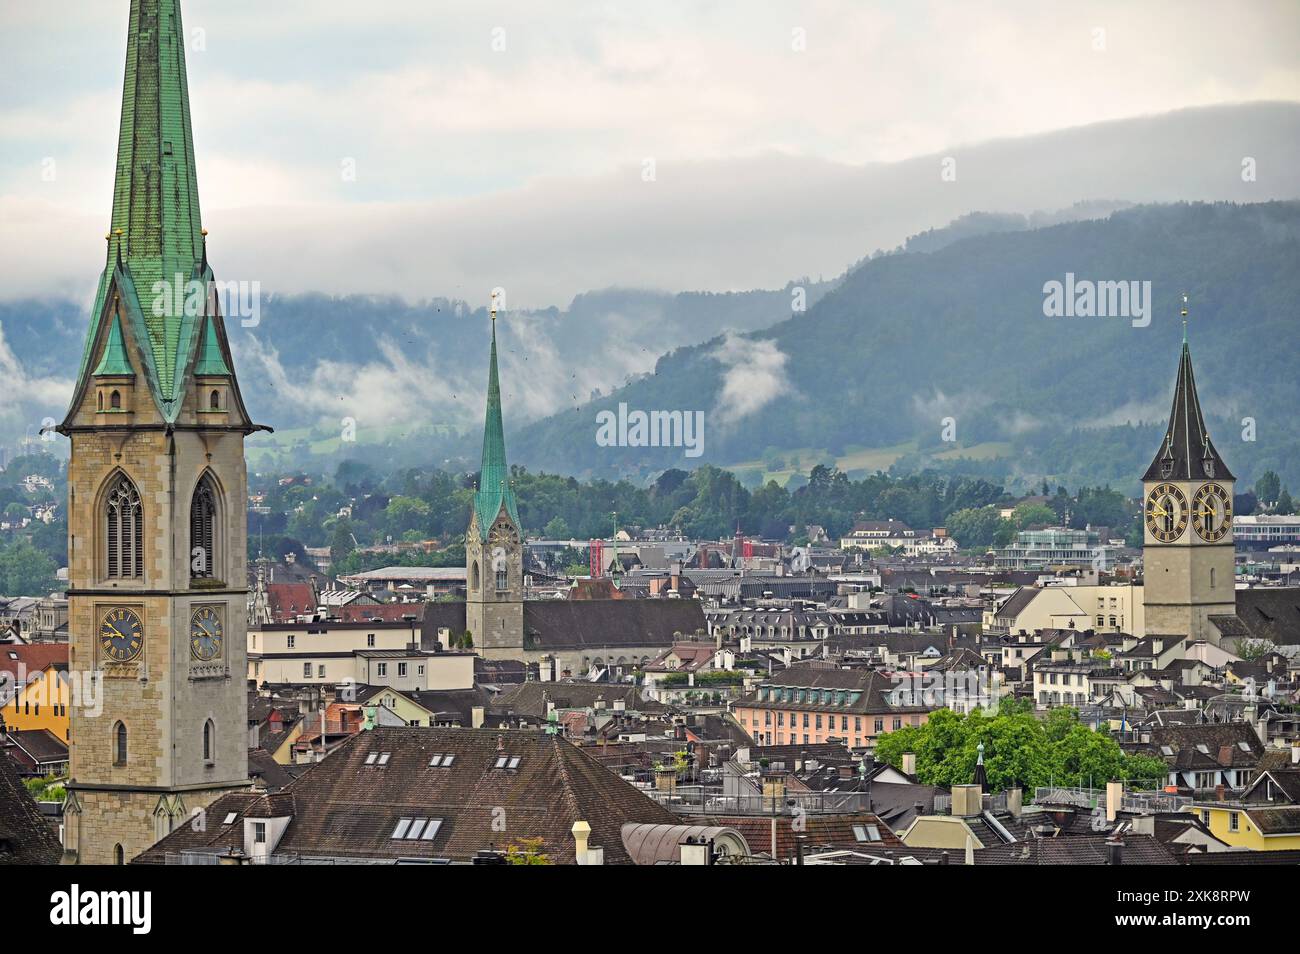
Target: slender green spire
x,y
156,232
114,362
494,490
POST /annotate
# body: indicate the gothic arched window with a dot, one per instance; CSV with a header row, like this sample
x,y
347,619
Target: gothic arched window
x,y
124,519
473,577
203,529
209,742
119,743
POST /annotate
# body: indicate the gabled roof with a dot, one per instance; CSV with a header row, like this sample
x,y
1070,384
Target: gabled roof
x,y
1186,452
25,837
350,805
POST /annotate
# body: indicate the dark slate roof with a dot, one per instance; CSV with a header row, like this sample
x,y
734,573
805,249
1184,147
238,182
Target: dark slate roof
x,y
1289,856
530,698
597,624
1275,784
1271,613
41,745
452,704
1220,741
25,837
872,685
344,808
1186,452
585,624
824,832
1076,850
266,772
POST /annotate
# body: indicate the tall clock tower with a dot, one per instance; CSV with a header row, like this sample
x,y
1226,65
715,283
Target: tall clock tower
x,y
494,550
156,493
1188,545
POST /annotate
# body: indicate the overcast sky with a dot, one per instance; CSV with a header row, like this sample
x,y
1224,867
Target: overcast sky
x,y
483,134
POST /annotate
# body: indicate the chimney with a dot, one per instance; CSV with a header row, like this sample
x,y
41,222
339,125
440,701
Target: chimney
x,y
967,801
581,833
1220,792
1295,752
1115,850
477,716
1114,795
909,763
1261,729
1015,801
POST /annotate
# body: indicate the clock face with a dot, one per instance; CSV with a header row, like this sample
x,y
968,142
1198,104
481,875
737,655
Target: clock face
x,y
121,635
1212,512
206,634
1166,512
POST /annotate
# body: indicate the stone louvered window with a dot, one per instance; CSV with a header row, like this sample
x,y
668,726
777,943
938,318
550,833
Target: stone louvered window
x,y
203,522
124,518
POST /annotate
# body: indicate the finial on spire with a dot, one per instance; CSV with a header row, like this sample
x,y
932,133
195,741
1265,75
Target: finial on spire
x,y
119,233
1184,317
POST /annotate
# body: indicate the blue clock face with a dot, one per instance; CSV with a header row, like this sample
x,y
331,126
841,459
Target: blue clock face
x,y
206,634
121,635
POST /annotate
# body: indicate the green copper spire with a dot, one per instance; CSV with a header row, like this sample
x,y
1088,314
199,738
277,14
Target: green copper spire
x,y
211,361
494,490
115,361
155,233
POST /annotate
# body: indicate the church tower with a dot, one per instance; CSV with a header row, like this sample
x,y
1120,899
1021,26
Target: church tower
x,y
156,493
1188,546
494,549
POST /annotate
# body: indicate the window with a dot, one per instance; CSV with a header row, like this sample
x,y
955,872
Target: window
x,y
119,856
473,576
214,400
507,762
209,746
370,640
203,521
119,744
289,641
115,400
401,669
382,669
320,670
125,530
259,833
880,725
416,829
383,758
503,579
1234,821
306,670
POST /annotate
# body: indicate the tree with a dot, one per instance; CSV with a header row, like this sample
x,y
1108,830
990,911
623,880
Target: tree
x,y
1028,515
26,571
1020,750
557,529
1284,503
1268,487
527,851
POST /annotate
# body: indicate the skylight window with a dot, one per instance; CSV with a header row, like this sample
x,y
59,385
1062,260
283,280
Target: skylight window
x,y
507,762
1166,750
383,758
443,761
1244,746
378,758
416,829
230,818
370,759
865,833
1202,748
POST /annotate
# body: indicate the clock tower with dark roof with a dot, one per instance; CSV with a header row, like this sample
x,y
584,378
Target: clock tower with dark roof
x,y
1187,512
